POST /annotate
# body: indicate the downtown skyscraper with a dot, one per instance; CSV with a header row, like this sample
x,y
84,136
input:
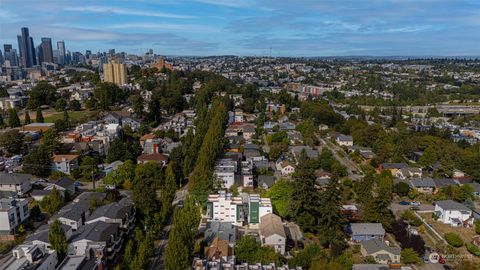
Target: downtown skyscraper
x,y
47,51
61,52
26,48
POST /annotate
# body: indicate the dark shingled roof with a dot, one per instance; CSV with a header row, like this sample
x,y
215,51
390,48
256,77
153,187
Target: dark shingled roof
x,y
98,231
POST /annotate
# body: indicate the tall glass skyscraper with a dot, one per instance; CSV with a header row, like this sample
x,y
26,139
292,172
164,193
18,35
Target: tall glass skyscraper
x,y
47,50
61,52
26,48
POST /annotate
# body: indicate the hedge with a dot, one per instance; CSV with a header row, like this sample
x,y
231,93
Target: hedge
x,y
473,249
454,239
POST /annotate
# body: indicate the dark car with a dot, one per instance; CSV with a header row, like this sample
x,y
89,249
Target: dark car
x,y
404,203
180,204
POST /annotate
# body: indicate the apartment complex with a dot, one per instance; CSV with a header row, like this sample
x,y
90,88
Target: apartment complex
x,y
115,72
248,208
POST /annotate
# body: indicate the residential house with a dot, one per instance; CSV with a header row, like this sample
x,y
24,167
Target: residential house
x,y
225,170
65,163
40,236
248,130
380,252
272,233
73,214
220,251
98,237
366,231
112,166
423,185
370,267
344,140
408,172
222,230
121,213
285,167
453,213
266,181
13,212
62,185
476,189
392,167
157,158
443,182
16,182
298,150
32,257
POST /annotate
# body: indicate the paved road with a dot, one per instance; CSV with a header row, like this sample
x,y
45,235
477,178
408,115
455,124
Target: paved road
x,y
395,207
157,260
352,168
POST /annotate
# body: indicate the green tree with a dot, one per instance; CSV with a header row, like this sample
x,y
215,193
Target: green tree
x,y
39,117
53,202
124,172
13,120
280,194
60,105
12,141
409,256
168,192
304,202
51,140
27,118
57,239
42,94
330,221
75,105
402,188
38,161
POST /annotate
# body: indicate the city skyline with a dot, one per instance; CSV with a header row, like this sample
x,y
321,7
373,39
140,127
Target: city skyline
x,y
245,27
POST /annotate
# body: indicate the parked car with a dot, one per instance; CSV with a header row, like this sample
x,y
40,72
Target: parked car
x,y
404,203
415,203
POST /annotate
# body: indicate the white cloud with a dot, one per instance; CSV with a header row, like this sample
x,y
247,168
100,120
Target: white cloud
x,y
122,11
226,3
7,16
164,26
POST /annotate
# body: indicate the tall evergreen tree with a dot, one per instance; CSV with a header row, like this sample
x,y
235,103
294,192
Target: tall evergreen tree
x,y
304,202
330,223
39,117
13,120
57,240
1,120
27,118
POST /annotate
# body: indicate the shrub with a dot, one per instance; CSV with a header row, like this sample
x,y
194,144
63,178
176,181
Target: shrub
x,y
473,249
410,217
477,226
454,239
409,256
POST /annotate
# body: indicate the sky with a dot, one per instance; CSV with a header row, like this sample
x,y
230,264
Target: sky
x,y
251,27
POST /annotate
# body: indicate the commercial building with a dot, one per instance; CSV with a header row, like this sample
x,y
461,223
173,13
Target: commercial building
x,y
26,48
47,51
115,72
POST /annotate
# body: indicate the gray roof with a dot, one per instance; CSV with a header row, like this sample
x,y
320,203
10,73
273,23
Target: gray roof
x,y
266,179
476,187
367,229
8,194
345,138
222,230
311,153
394,165
41,192
422,183
64,182
73,210
98,231
370,267
41,234
376,245
442,182
14,178
116,210
452,205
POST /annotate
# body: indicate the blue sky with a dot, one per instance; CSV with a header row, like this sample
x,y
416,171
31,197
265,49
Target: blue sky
x,y
252,27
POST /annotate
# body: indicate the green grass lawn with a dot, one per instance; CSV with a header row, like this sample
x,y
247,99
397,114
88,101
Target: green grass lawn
x,y
75,116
